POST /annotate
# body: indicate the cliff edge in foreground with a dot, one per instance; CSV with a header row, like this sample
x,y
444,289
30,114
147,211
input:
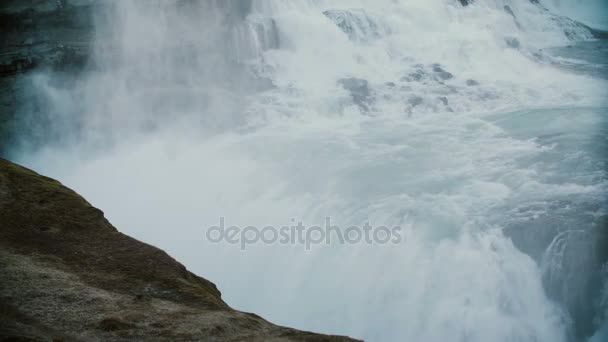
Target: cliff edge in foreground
x,y
68,275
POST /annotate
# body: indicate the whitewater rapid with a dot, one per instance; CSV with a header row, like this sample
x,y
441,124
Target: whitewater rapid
x,y
452,122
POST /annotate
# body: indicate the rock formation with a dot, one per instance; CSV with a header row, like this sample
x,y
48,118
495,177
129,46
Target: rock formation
x,y
68,275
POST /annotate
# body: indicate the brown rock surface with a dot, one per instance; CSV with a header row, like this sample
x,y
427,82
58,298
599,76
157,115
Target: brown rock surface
x,y
68,275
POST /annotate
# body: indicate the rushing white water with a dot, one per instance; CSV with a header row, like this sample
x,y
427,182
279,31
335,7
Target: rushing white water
x,y
423,114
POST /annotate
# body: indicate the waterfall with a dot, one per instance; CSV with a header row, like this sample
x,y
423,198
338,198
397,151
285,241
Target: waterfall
x,y
423,114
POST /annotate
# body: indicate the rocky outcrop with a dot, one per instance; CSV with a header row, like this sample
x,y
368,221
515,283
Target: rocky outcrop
x,y
44,33
69,275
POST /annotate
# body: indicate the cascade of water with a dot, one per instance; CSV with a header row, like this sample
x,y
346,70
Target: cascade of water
x,y
380,111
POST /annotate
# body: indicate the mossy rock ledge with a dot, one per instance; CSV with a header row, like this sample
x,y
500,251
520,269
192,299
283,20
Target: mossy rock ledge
x,y
66,274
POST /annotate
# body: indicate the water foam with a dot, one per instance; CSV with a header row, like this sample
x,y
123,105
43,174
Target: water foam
x,y
358,110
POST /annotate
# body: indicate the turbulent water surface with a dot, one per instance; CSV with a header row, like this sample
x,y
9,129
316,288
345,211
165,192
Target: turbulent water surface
x,y
480,130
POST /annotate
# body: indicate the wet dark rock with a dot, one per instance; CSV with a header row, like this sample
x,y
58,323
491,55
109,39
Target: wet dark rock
x,y
12,66
433,72
440,73
84,279
512,42
359,91
414,76
443,100
415,100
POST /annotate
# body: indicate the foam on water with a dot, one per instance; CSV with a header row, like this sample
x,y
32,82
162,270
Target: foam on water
x,y
393,112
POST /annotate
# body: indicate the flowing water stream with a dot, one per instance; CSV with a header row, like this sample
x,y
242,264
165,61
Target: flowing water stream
x,y
481,131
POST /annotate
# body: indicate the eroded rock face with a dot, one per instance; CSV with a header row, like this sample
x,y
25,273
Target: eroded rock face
x,y
68,274
44,33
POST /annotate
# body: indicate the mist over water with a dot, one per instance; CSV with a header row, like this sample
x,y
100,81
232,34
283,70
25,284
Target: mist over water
x,y
458,124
